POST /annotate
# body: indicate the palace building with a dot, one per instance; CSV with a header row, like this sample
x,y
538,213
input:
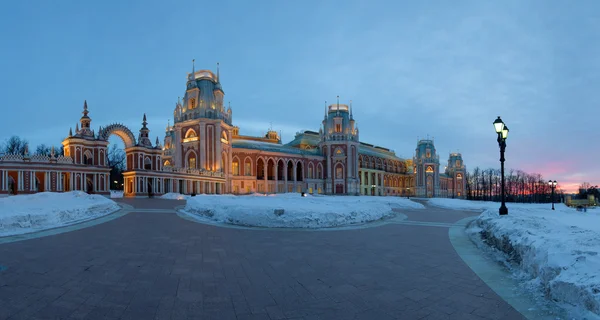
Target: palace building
x,y
204,152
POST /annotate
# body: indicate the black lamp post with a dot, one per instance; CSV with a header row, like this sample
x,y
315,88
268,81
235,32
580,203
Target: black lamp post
x,y
552,186
502,131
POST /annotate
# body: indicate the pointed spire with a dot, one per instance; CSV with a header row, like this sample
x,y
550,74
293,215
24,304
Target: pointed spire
x,y
85,108
338,105
52,152
26,150
157,141
218,76
168,124
70,132
350,109
76,128
193,69
325,109
144,123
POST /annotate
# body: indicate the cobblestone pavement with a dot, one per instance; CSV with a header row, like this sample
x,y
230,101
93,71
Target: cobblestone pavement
x,y
152,264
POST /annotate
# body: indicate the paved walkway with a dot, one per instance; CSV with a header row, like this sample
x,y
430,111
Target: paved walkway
x,y
152,264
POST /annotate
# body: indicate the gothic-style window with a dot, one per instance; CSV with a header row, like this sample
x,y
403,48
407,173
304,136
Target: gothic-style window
x,y
338,127
191,161
190,134
224,137
192,103
147,164
339,172
310,171
319,172
247,167
235,167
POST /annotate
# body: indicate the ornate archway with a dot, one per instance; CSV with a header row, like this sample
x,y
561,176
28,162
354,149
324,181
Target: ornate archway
x,y
121,131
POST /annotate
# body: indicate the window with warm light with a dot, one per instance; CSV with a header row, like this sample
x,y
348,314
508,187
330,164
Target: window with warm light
x,y
192,162
338,127
429,169
235,168
192,103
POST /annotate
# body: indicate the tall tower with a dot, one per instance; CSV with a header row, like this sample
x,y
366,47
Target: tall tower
x,y
427,169
456,170
339,145
201,135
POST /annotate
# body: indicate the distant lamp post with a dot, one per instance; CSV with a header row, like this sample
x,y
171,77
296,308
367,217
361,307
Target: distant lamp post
x,y
552,185
373,189
502,131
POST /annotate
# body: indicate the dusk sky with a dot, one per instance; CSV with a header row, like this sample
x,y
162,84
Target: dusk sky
x,y
445,69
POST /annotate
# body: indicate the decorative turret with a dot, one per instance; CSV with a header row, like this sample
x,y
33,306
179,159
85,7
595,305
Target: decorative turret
x,y
338,123
85,123
143,139
203,98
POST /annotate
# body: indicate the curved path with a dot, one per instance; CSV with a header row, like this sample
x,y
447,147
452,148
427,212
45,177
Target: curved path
x,y
152,264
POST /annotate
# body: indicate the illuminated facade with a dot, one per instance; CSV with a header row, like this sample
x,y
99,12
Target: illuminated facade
x,y
203,152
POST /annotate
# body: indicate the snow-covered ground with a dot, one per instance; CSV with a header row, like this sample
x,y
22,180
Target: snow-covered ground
x,y
27,213
174,196
556,252
116,194
298,212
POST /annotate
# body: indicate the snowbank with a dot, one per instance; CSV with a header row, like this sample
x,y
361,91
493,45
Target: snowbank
x,y
174,196
555,251
115,194
298,212
45,210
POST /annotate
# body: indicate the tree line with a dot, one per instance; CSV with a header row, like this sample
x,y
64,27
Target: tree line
x,y
520,186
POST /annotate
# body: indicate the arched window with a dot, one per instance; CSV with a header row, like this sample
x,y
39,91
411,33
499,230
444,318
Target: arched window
x,y
260,169
191,160
299,171
191,133
310,170
235,167
339,172
319,171
88,158
224,137
192,103
147,164
247,167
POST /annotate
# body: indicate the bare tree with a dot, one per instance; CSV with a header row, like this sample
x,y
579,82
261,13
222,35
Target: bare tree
x,y
42,149
15,145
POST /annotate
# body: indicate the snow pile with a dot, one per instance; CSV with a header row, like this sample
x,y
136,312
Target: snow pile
x,y
556,251
45,210
174,196
114,194
290,210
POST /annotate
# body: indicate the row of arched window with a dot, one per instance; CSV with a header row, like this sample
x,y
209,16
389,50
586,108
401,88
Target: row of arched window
x,y
379,164
276,169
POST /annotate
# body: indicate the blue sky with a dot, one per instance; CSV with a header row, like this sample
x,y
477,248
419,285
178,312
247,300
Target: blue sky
x,y
440,68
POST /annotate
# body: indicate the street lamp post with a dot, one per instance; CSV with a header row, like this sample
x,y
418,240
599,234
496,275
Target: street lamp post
x,y
373,189
552,186
502,131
